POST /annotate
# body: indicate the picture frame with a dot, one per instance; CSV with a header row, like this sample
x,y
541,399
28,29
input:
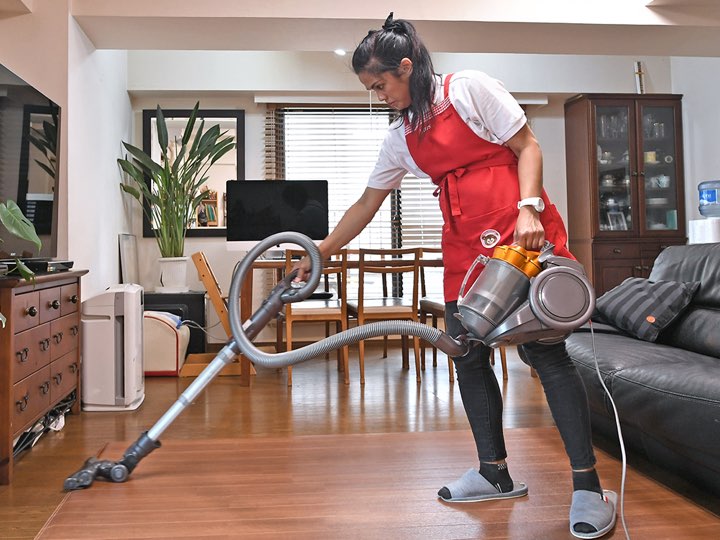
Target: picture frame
x,y
617,222
129,268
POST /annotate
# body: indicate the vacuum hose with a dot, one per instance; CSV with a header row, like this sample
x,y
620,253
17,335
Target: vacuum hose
x,y
286,293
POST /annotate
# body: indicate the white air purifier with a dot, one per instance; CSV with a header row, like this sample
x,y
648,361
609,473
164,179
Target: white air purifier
x,y
112,350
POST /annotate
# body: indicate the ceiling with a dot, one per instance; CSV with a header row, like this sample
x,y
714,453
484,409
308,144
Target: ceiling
x,y
607,27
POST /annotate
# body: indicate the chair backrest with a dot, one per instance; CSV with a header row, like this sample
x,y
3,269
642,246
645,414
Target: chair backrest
x,y
385,262
336,265
430,257
206,275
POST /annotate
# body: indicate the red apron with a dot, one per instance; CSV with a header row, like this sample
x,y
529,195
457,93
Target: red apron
x,y
478,191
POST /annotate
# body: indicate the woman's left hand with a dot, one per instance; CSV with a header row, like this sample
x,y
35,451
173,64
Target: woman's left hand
x,y
529,232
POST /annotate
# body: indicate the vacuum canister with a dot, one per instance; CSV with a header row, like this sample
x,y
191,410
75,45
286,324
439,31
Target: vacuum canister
x,y
499,289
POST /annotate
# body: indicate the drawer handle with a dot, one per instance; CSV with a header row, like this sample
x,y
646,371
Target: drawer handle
x,y
74,299
31,311
22,403
58,378
617,250
23,354
73,367
45,344
55,304
45,387
74,330
58,337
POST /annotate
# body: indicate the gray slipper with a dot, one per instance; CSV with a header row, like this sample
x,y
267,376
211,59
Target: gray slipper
x,y
595,510
473,487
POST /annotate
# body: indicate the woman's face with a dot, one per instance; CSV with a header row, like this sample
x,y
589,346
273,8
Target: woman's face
x,y
390,88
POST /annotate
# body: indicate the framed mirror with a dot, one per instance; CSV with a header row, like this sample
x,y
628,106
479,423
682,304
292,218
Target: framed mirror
x,y
210,217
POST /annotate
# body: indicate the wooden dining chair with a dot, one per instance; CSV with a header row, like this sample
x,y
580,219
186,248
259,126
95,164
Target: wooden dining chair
x,y
319,308
390,305
197,362
431,305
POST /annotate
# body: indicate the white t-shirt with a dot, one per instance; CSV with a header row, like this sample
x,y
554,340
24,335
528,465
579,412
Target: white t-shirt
x,y
481,101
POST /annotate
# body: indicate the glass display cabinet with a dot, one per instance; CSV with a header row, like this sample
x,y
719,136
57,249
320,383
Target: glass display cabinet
x,y
625,182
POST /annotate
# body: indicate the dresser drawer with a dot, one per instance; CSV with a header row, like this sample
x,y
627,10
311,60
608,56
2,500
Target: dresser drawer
x,y
616,251
64,334
31,398
31,351
49,305
26,311
63,376
69,299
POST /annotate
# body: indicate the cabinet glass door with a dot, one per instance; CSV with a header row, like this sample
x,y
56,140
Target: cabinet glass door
x,y
660,191
612,133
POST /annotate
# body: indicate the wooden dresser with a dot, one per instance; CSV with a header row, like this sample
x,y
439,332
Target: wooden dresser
x,y
39,353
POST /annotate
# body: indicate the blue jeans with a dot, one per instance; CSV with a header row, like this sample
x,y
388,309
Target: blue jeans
x,y
482,399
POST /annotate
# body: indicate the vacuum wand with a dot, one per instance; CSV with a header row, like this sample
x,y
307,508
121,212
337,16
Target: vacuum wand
x,y
119,471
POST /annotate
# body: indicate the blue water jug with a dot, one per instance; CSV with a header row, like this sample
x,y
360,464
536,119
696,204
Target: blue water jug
x,y
709,194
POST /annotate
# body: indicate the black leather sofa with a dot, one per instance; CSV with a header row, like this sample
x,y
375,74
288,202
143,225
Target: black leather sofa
x,y
667,392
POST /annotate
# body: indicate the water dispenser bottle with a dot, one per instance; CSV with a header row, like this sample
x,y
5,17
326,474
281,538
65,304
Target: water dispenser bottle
x,y
709,194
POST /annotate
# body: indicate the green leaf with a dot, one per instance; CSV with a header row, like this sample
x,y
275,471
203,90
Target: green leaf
x,y
162,131
45,168
143,159
25,272
190,124
17,224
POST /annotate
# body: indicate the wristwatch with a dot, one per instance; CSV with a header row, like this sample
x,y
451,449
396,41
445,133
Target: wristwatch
x,y
536,202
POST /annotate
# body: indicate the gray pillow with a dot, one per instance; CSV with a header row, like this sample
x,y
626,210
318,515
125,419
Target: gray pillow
x,y
644,308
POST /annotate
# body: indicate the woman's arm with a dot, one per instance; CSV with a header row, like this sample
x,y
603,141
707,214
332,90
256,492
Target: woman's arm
x,y
352,223
529,232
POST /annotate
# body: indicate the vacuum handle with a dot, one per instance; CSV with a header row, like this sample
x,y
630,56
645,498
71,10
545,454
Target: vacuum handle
x,y
481,259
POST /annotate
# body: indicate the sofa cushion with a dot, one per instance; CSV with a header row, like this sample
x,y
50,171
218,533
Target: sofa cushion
x,y
697,330
697,262
659,370
644,308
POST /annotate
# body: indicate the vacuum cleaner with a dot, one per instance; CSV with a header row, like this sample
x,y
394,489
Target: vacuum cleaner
x,y
519,297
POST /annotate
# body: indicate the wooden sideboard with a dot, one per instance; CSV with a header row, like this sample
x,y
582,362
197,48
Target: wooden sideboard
x,y
39,353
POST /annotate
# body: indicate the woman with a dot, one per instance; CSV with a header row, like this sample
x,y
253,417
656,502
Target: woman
x,y
470,136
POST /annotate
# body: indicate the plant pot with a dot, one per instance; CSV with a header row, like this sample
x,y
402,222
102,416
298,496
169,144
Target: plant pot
x,y
173,275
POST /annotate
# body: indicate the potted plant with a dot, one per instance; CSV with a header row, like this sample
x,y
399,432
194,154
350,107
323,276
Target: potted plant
x,y
18,225
172,188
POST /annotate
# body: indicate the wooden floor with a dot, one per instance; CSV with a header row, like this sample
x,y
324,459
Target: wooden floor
x,y
265,462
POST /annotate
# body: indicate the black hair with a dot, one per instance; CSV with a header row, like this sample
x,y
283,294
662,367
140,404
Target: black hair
x,y
383,50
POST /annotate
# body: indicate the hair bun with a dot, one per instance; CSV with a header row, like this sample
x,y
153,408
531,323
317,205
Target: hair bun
x,y
390,24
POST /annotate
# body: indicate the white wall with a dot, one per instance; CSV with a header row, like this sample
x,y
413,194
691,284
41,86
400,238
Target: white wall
x,y
698,79
98,118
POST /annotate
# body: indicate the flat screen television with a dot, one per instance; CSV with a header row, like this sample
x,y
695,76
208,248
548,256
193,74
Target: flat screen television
x,y
257,209
29,152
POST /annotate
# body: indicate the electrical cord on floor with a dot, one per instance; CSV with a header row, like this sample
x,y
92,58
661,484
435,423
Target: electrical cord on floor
x,y
28,439
193,324
619,432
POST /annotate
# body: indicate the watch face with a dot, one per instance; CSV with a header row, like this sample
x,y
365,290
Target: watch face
x,y
540,206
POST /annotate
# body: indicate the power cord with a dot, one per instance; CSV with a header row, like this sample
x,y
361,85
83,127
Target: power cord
x,y
53,420
619,432
193,324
